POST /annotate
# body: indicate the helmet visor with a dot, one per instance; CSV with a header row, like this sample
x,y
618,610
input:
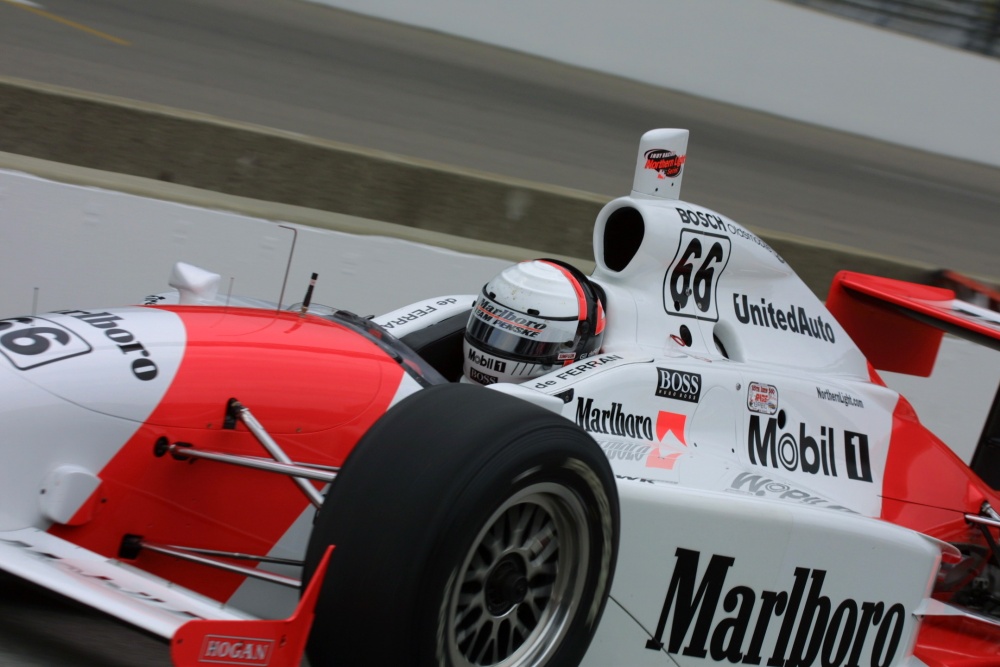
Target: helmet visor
x,y
518,335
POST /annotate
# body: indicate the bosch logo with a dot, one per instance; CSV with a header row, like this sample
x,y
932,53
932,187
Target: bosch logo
x,y
489,363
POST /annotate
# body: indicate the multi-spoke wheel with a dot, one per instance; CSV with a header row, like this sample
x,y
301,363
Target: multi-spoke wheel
x,y
521,582
471,529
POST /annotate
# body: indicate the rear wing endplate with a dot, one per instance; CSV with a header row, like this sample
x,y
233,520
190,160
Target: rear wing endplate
x,y
899,325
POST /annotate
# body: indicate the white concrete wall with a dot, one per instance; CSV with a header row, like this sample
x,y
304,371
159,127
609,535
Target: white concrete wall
x,y
768,55
66,246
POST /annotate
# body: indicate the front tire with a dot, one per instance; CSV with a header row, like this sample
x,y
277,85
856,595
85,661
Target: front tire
x,y
471,529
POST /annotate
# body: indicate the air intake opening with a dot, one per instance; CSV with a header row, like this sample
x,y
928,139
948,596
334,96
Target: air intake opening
x,y
623,233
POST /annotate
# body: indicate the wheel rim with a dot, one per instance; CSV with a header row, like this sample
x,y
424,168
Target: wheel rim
x,y
521,582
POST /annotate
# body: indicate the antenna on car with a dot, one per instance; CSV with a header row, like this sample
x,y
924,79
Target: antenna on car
x,y
309,295
288,267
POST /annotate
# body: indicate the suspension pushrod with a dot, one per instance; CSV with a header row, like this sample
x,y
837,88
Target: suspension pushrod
x,y
241,412
982,520
235,555
183,554
291,469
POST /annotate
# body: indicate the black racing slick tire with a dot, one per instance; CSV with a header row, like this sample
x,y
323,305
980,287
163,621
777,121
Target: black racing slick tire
x,y
471,528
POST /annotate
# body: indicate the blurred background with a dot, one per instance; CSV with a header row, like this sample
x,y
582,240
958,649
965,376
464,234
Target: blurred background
x,y
965,24
516,123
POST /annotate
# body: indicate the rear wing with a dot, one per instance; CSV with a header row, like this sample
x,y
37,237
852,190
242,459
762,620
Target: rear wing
x,y
899,325
968,289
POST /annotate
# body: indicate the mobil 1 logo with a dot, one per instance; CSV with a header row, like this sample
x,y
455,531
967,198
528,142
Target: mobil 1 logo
x,y
692,279
28,342
769,445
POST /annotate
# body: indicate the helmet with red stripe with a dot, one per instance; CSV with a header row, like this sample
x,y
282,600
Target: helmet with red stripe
x,y
531,318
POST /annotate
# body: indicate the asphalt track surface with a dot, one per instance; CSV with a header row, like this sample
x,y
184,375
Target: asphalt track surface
x,y
309,69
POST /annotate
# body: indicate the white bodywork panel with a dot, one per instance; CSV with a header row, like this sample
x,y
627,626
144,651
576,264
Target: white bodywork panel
x,y
108,585
82,423
710,579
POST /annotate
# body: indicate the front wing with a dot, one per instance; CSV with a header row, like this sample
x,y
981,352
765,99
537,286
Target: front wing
x,y
200,630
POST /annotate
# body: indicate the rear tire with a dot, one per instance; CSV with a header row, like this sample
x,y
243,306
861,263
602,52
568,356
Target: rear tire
x,y
471,528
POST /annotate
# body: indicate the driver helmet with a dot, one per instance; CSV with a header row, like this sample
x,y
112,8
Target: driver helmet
x,y
531,318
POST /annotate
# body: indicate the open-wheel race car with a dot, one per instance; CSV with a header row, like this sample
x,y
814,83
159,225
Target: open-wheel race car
x,y
724,480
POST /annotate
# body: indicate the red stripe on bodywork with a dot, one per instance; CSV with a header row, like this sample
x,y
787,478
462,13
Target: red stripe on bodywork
x,y
950,641
314,385
929,489
926,486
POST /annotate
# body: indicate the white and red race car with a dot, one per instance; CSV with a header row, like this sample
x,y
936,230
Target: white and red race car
x,y
727,482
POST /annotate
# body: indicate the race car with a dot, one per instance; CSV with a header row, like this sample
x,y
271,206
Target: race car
x,y
726,480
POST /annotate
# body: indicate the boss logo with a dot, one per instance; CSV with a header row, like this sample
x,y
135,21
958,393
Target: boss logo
x,y
481,378
679,385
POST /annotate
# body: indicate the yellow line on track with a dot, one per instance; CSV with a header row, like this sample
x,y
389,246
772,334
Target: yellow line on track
x,y
71,24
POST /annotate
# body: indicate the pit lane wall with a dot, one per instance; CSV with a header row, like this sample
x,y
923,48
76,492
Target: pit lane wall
x,y
768,55
170,146
79,238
